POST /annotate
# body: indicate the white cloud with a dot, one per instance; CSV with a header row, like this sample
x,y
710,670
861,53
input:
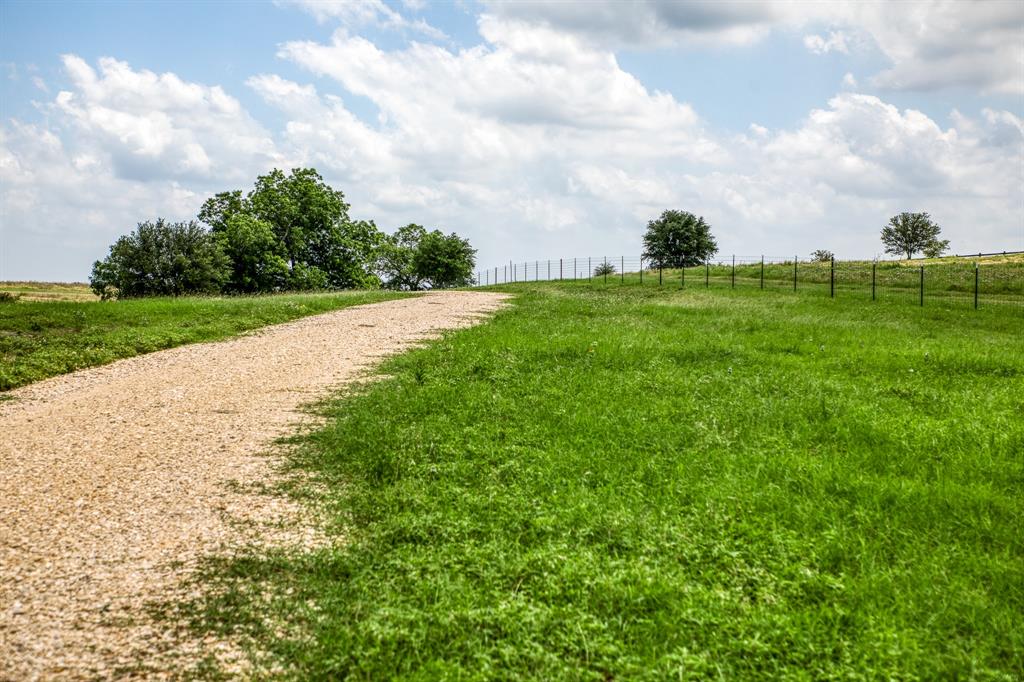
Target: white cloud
x,y
849,81
835,42
930,45
358,13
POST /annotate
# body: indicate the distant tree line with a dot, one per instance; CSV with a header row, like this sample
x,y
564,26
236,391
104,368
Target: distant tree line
x,y
289,233
682,239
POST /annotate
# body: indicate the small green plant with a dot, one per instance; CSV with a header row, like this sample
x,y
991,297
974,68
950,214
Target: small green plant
x,y
603,269
822,256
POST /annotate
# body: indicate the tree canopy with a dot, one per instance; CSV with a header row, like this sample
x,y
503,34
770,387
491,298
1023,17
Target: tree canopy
x,y
678,239
908,233
161,259
290,232
414,259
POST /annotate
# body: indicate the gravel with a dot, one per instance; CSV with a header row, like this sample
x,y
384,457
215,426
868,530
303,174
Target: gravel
x,y
116,481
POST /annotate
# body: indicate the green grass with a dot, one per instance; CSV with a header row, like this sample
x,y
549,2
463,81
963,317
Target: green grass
x,y
49,291
40,339
634,483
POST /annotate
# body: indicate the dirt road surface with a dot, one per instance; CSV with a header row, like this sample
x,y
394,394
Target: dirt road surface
x,y
115,481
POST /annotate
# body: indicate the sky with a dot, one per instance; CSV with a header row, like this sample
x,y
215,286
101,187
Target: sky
x,y
536,129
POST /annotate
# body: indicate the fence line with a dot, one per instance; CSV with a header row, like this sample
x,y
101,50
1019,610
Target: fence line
x,y
973,281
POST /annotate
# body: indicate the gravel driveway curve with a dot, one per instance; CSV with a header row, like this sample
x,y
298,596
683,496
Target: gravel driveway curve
x,y
115,480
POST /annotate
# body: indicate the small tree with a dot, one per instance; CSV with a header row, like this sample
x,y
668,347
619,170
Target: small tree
x,y
604,269
161,259
908,233
678,238
822,256
936,248
444,261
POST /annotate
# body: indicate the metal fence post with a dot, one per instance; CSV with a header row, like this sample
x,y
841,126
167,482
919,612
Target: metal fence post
x,y
549,270
975,286
536,271
641,269
590,270
874,266
734,271
707,274
506,274
762,272
795,259
559,269
682,276
922,285
622,270
606,269
832,279
575,270
661,270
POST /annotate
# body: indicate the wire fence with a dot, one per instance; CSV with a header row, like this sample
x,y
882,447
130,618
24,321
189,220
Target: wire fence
x,y
971,282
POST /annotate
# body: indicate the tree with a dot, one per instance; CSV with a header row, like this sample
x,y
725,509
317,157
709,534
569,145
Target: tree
x,y
313,235
822,255
603,269
678,239
908,233
396,257
161,259
936,248
256,255
444,261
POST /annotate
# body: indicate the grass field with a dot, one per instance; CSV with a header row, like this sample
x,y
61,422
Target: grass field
x,y
40,339
49,291
643,483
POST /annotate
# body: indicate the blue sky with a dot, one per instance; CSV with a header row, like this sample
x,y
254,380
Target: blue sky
x,y
539,130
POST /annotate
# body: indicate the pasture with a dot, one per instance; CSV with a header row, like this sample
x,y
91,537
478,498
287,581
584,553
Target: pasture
x,y
653,483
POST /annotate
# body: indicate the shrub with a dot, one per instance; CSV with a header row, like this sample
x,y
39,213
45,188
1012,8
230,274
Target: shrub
x,y
604,269
822,256
161,259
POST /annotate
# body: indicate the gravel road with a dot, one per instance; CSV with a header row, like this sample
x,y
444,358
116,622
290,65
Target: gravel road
x,y
116,480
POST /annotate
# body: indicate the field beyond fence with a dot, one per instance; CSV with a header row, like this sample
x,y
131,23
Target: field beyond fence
x,y
989,279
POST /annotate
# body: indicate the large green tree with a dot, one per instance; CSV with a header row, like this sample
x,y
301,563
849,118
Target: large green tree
x,y
908,233
396,258
320,245
161,259
678,239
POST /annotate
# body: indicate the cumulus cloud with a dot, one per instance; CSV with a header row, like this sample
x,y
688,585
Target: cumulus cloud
x,y
930,45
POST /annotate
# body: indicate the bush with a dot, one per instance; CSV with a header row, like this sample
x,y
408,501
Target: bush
x,y
161,259
604,269
822,256
8,297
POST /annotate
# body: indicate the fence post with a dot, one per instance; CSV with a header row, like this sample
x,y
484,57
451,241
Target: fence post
x,y
536,271
526,272
661,270
762,271
575,270
795,259
549,270
506,274
590,270
922,285
559,269
478,278
874,266
707,274
734,271
606,269
975,286
832,279
641,269
682,276
622,270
